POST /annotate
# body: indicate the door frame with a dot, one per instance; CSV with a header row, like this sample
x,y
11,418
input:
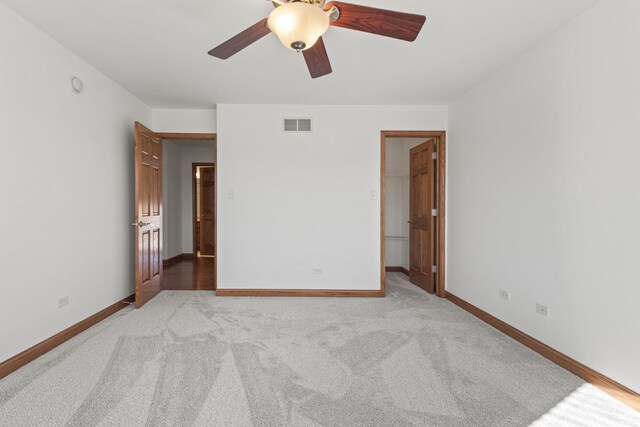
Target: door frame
x,y
213,137
194,213
441,174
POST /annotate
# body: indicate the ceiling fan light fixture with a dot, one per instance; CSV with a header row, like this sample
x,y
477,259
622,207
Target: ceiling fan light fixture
x,y
298,25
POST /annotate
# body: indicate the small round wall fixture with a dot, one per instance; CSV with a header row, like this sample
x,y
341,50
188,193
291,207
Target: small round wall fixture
x,y
76,84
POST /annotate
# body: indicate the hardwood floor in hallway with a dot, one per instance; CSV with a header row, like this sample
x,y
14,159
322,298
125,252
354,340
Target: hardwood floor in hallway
x,y
197,274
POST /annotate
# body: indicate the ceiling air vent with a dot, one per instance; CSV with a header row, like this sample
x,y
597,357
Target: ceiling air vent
x,y
296,125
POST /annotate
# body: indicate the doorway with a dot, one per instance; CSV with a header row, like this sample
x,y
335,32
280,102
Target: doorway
x,y
189,198
412,200
164,221
204,199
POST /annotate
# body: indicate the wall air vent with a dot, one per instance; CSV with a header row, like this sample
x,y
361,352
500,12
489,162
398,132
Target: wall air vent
x,y
296,125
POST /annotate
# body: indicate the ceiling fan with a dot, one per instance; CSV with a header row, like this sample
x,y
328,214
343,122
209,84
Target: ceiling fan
x,y
300,24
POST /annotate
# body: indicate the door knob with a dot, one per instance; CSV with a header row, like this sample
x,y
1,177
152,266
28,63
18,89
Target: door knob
x,y
141,224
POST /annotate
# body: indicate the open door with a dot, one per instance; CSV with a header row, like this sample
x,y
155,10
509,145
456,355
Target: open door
x,y
207,210
148,217
422,216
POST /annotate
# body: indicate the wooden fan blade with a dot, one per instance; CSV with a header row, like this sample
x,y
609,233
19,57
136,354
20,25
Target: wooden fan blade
x,y
317,60
399,25
242,40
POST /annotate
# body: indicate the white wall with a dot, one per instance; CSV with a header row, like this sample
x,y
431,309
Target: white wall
x,y
184,120
66,193
171,200
304,201
544,197
177,192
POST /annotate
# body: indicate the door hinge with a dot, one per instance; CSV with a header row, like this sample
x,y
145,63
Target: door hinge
x,y
434,269
434,155
434,212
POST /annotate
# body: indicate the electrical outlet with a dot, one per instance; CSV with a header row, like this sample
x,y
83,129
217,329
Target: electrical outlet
x,y
505,294
63,301
317,271
542,310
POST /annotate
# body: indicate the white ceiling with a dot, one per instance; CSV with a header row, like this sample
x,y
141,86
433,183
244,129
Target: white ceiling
x,y
157,49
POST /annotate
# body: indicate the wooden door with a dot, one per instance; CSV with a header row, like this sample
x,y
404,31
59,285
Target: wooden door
x,y
148,214
207,210
422,219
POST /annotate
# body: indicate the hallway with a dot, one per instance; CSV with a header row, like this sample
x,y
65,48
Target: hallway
x,y
195,274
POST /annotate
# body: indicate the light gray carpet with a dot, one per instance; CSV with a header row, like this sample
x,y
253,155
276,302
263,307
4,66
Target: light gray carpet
x,y
189,358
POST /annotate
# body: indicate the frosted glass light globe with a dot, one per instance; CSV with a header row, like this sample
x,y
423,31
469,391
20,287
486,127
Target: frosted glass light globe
x,y
298,25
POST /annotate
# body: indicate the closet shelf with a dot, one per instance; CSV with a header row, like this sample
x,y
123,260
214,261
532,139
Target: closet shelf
x,y
396,237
